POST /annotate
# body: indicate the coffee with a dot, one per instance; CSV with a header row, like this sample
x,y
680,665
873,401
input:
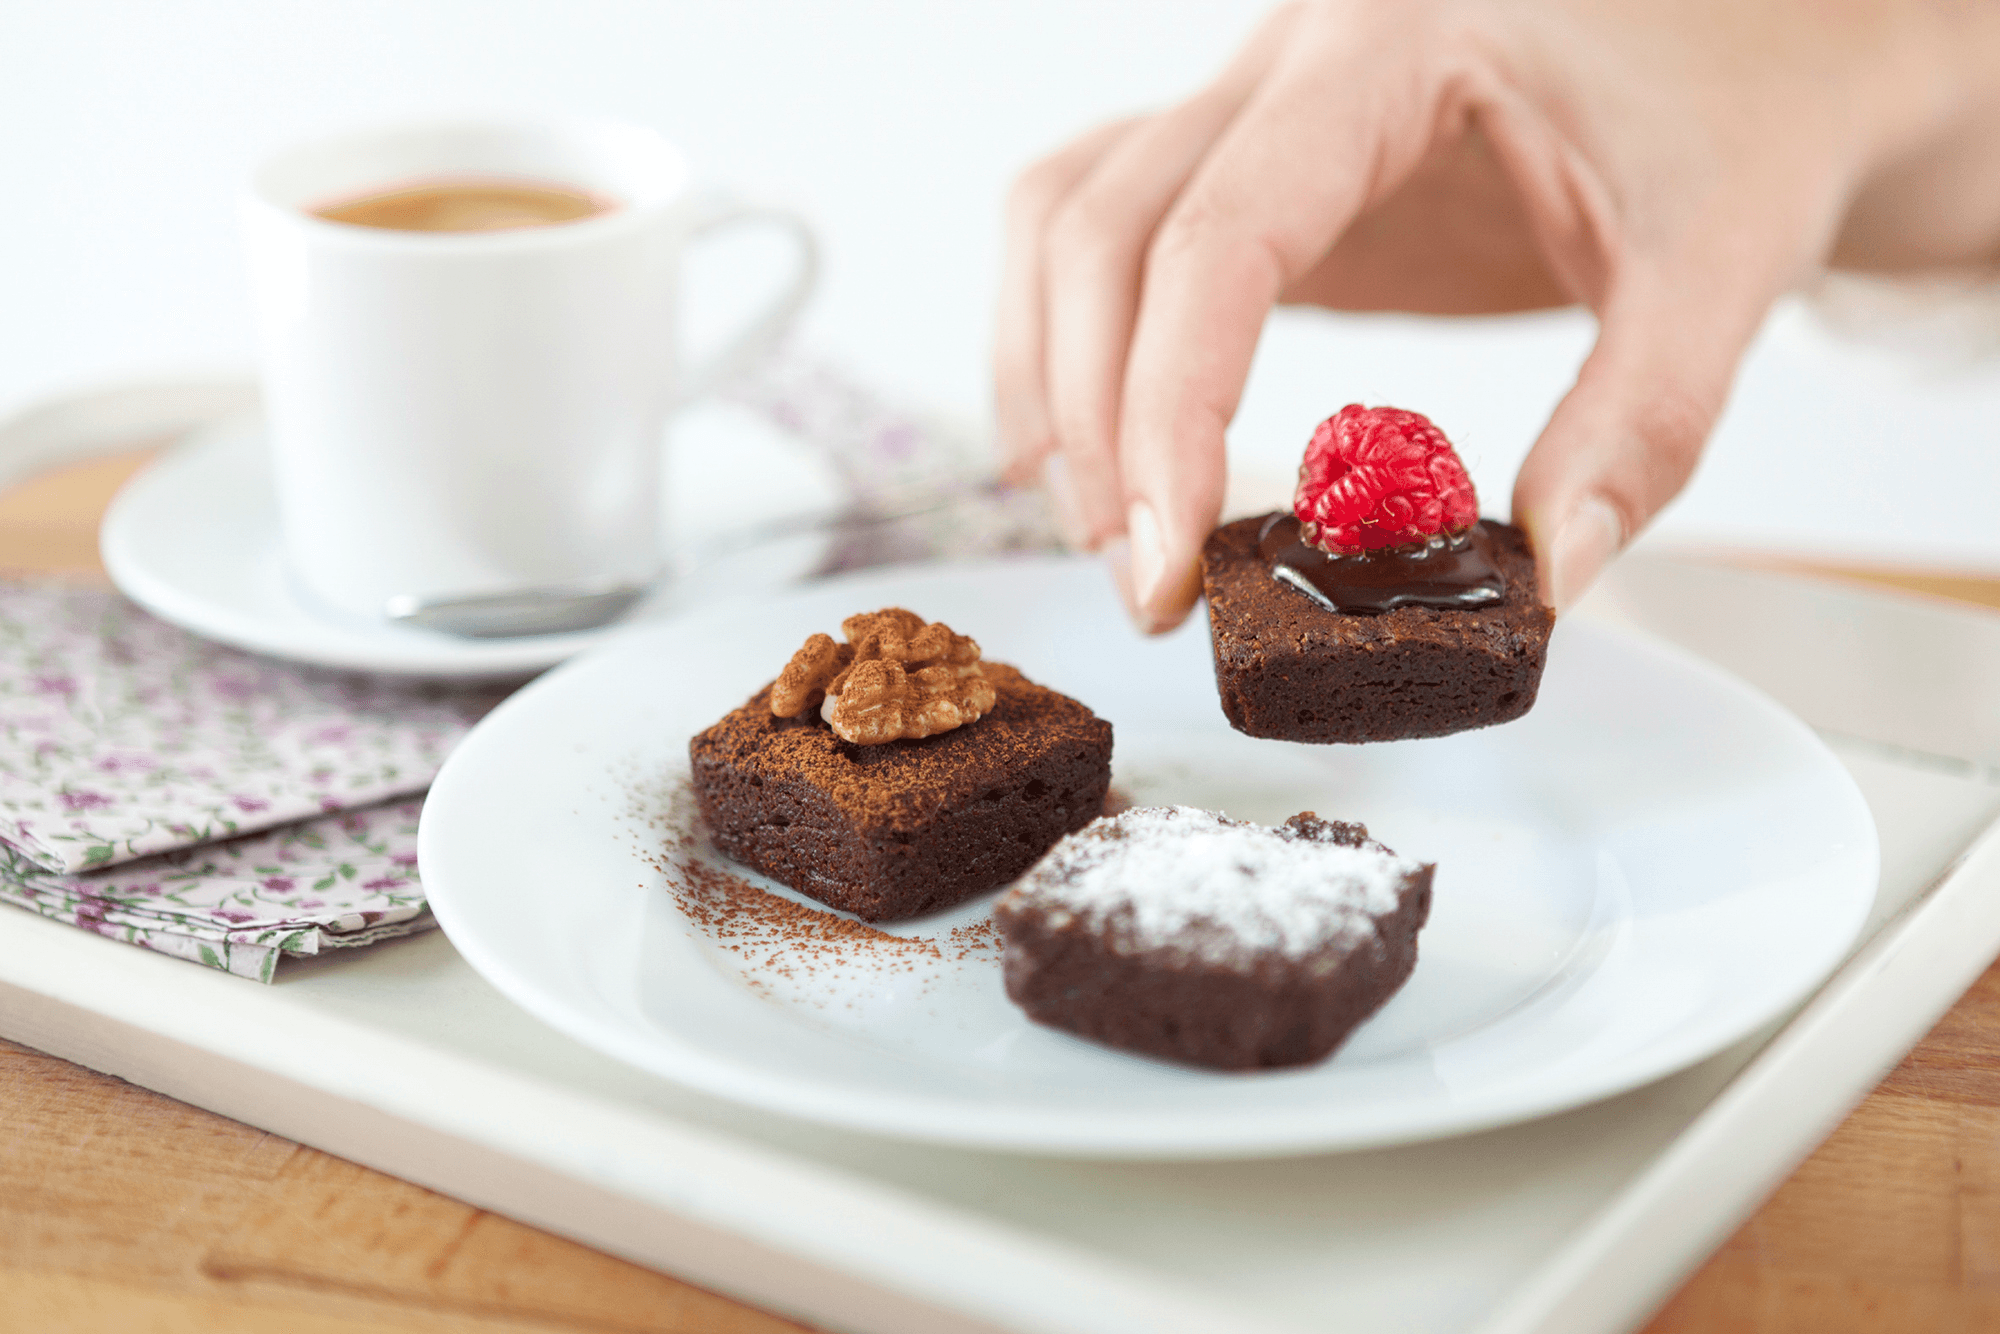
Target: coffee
x,y
466,204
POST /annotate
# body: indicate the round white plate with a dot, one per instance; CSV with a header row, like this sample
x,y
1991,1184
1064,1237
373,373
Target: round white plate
x,y
194,539
1649,866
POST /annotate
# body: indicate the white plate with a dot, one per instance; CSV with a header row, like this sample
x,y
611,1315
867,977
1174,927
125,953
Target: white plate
x,y
1651,865
194,540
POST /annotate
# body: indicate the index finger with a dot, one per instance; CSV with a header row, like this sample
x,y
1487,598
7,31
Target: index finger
x,y
1344,117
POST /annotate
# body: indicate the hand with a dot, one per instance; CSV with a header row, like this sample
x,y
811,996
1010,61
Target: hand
x,y
1674,165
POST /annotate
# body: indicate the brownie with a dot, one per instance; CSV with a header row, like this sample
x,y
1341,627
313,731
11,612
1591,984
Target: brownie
x,y
910,827
1178,933
1288,668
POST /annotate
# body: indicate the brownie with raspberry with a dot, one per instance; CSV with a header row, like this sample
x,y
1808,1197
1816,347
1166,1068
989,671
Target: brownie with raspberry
x,y
893,831
1381,607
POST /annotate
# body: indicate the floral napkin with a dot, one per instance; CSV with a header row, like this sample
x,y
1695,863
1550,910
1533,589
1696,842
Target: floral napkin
x,y
122,736
139,763
920,486
234,810
239,905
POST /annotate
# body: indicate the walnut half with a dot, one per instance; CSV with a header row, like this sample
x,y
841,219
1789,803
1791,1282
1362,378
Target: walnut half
x,y
803,683
897,677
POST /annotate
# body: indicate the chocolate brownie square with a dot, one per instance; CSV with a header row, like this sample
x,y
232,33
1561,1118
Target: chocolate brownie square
x,y
897,830
1178,933
1288,668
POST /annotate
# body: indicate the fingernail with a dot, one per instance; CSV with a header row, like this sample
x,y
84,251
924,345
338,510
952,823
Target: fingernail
x,y
1585,543
1149,555
1062,499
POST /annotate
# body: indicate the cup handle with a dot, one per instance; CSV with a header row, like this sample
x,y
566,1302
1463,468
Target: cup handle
x,y
763,332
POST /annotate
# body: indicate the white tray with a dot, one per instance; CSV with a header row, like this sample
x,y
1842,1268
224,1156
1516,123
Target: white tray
x,y
403,1059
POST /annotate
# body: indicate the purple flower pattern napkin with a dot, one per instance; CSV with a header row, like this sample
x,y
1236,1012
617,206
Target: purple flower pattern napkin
x,y
122,736
240,905
202,801
920,486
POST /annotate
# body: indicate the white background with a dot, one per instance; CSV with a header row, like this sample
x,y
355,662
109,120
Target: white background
x,y
127,127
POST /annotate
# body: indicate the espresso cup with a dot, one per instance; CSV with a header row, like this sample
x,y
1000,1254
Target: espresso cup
x,y
464,416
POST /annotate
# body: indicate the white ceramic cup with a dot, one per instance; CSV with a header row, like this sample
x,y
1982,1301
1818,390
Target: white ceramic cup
x,y
458,414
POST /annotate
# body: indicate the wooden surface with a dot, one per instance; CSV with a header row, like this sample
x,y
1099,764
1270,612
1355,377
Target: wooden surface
x,y
124,1210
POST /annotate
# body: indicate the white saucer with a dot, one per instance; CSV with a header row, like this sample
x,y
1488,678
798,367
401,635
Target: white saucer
x,y
194,540
1651,865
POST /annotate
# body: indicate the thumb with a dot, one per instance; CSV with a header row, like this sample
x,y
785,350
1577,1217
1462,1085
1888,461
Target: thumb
x,y
1627,436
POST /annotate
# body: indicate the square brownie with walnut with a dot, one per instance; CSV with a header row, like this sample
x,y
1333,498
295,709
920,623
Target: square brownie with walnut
x,y
896,830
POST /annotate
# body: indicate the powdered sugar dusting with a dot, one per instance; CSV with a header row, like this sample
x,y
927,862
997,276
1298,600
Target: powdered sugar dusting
x,y
1178,877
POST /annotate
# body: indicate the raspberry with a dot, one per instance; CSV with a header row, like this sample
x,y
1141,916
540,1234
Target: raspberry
x,y
1380,477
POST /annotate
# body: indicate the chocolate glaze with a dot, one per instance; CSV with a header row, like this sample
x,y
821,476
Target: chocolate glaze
x,y
1448,571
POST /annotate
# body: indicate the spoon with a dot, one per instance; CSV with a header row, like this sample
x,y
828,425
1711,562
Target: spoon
x,y
553,609
550,610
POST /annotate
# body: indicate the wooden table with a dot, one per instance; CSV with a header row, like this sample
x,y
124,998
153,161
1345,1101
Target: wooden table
x,y
124,1210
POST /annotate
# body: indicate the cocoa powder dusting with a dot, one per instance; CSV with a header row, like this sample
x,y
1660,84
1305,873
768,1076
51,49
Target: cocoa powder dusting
x,y
774,937
967,941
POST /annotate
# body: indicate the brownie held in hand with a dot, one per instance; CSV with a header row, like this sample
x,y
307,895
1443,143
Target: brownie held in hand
x,y
1382,607
1178,933
897,773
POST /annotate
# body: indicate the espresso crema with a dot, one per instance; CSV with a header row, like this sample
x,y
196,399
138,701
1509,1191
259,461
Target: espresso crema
x,y
466,204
